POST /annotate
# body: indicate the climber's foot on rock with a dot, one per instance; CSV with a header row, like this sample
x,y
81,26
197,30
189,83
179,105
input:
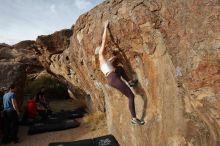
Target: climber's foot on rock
x,y
137,121
133,83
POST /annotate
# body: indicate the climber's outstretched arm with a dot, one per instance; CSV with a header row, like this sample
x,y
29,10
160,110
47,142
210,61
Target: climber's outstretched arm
x,y
102,49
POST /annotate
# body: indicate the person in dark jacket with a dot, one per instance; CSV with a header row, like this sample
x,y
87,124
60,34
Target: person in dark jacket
x,y
41,100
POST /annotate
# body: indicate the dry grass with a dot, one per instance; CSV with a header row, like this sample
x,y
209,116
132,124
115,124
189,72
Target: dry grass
x,y
95,120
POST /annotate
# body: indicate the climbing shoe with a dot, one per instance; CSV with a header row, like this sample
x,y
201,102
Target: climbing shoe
x,y
133,83
137,121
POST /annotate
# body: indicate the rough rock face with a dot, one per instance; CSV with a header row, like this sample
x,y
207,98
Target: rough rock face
x,y
54,56
15,63
50,45
172,47
13,72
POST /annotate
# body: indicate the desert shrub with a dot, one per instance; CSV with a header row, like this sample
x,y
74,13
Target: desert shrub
x,y
54,88
95,120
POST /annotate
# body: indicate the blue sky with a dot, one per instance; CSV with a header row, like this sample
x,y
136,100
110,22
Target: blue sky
x,y
26,19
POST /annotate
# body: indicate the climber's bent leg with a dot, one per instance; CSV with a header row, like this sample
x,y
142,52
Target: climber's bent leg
x,y
115,81
121,73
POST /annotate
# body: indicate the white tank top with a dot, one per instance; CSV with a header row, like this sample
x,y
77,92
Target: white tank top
x,y
106,67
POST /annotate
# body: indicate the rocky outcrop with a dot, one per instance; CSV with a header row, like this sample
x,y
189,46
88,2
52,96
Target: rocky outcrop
x,y
52,51
13,73
3,45
172,47
16,62
54,56
50,45
22,52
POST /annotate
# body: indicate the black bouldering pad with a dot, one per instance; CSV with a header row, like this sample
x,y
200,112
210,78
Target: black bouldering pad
x,y
108,140
56,117
71,114
52,126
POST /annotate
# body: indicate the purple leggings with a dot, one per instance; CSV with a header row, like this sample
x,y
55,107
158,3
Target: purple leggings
x,y
114,80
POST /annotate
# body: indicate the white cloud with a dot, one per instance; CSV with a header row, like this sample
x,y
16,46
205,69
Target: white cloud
x,y
53,8
10,39
83,4
31,18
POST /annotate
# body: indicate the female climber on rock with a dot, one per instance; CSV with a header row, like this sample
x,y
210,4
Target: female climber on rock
x,y
114,74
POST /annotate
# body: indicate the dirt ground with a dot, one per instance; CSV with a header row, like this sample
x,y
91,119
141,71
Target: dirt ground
x,y
82,132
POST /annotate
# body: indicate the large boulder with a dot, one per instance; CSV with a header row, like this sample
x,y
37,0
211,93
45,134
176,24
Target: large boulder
x,y
172,47
22,52
16,62
52,45
13,73
53,54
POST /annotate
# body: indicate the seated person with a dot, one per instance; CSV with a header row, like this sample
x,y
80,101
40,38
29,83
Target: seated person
x,y
31,107
41,100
